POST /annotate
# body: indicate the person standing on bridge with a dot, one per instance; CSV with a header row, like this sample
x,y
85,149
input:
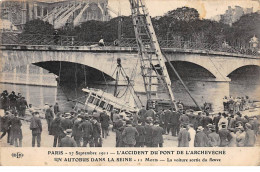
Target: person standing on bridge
x,y
36,127
101,42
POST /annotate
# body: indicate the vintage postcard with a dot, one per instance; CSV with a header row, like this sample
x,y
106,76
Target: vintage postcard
x,y
129,82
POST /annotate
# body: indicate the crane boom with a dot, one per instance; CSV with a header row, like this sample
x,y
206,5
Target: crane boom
x,y
155,75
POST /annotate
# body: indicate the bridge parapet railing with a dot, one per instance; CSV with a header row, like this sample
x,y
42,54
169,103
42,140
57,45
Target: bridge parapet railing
x,y
11,38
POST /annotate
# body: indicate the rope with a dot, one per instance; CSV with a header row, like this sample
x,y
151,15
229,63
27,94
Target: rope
x,y
105,80
133,89
217,69
185,87
85,77
76,84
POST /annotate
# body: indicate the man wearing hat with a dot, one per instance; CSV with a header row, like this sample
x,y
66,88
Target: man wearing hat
x,y
140,140
224,135
232,138
201,139
56,108
175,123
141,114
184,136
36,127
241,135
6,125
104,120
87,130
4,100
12,99
23,106
214,139
129,135
56,130
157,135
66,123
250,138
67,141
49,115
96,132
149,132
76,130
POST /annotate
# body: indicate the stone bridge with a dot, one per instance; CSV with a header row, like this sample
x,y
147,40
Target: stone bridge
x,y
208,74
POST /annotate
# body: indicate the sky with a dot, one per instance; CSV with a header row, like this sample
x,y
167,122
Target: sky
x,y
206,8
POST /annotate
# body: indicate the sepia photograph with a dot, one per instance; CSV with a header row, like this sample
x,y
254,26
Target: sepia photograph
x,y
129,75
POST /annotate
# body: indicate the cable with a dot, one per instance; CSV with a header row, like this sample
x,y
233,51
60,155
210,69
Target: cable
x,y
217,68
185,87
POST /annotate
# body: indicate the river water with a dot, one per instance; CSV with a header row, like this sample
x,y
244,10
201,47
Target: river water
x,y
39,95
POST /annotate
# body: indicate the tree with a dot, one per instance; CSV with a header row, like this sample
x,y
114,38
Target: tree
x,y
38,27
184,14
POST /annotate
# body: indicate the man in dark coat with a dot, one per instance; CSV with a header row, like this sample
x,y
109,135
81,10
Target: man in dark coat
x,y
140,140
119,127
224,134
168,115
206,120
4,100
141,114
149,132
174,122
129,135
56,108
250,138
12,99
157,135
36,127
16,130
150,113
199,119
49,115
104,120
56,130
216,120
184,136
201,139
77,133
6,125
214,139
87,131
67,141
96,133
23,106
184,119
66,123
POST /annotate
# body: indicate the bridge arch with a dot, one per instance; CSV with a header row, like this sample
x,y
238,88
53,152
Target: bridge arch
x,y
239,68
186,66
13,58
245,81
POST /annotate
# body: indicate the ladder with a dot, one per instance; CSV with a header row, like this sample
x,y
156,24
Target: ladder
x,y
153,68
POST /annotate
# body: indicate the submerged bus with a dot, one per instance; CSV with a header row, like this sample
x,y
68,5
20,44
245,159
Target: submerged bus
x,y
98,100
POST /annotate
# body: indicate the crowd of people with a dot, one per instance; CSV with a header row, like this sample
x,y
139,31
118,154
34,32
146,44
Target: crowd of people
x,y
13,102
144,128
234,105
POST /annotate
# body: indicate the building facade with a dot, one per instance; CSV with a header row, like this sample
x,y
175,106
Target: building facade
x,y
58,13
